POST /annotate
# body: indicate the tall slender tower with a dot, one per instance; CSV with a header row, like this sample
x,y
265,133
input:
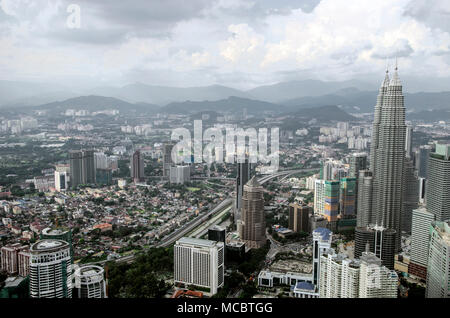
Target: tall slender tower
x,y
377,119
137,166
253,224
389,158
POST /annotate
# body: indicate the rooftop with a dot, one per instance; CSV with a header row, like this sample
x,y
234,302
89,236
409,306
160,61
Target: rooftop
x,y
304,286
324,233
48,245
196,241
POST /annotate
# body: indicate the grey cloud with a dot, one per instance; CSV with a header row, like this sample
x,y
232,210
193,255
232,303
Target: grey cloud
x,y
434,13
401,49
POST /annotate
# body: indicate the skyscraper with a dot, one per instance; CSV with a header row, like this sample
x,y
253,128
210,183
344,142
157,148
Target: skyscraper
x,y
331,206
322,238
88,167
167,159
244,173
410,196
253,224
421,156
420,238
90,282
387,167
137,166
389,159
82,167
364,215
58,233
358,161
347,198
375,280
299,217
437,194
76,172
438,271
200,263
381,243
50,270
408,141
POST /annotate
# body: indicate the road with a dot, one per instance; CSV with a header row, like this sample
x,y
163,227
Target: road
x,y
221,208
179,233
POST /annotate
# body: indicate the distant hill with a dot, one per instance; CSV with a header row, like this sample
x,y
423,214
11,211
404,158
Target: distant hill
x,y
323,114
296,89
353,100
430,115
232,104
162,95
96,103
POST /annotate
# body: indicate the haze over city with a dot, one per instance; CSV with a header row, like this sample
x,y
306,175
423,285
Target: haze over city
x,y
270,152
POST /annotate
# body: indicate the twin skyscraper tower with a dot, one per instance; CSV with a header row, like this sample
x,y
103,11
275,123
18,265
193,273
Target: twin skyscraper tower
x,y
379,222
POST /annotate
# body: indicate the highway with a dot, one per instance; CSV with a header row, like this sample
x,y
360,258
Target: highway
x,y
179,233
216,213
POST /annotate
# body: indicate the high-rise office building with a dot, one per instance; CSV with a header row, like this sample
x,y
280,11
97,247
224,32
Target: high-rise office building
x,y
331,198
76,170
82,167
253,223
347,198
244,174
381,242
180,174
358,162
375,280
408,142
421,157
90,282
137,167
217,233
88,166
61,180
167,159
437,195
339,276
103,176
410,196
299,217
101,160
322,238
58,233
438,271
420,238
364,215
366,277
422,189
200,263
50,270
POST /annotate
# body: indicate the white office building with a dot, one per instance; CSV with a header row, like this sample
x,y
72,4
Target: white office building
x,y
438,271
61,180
199,263
180,174
339,276
90,282
321,242
375,280
420,238
50,269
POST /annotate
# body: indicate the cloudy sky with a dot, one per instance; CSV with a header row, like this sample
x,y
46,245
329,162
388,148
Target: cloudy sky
x,y
238,43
